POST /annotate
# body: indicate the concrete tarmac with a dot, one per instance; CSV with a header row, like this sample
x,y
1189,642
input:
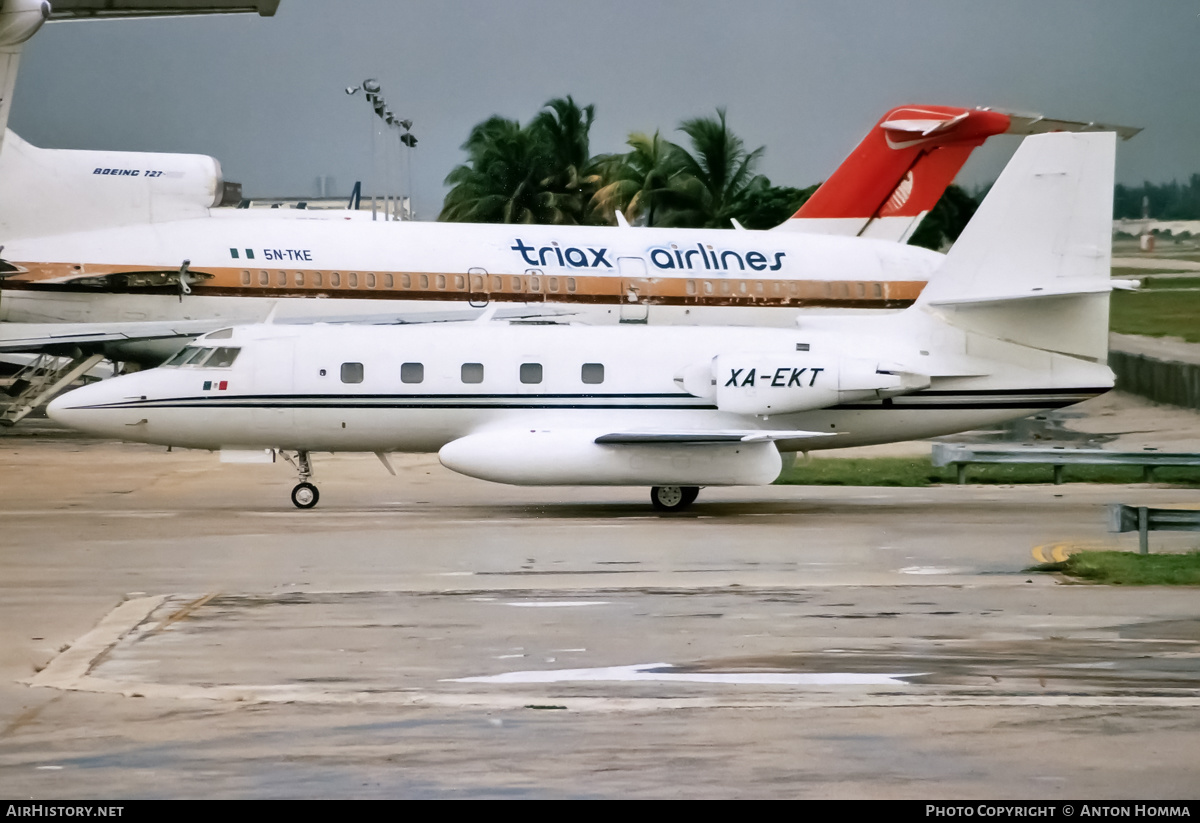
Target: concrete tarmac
x,y
173,627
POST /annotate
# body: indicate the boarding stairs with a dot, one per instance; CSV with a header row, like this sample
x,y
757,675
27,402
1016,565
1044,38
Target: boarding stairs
x,y
43,378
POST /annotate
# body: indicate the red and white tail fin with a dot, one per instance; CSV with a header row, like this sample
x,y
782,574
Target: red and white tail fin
x,y
905,163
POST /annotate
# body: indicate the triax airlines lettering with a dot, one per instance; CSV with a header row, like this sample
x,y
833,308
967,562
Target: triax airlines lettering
x,y
699,258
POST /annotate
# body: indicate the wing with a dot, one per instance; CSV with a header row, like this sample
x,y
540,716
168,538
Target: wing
x,y
51,337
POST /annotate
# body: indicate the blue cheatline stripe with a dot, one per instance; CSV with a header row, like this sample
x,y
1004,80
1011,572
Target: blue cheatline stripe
x,y
966,400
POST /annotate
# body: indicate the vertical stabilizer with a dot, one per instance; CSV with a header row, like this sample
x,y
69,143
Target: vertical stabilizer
x,y
19,20
1034,264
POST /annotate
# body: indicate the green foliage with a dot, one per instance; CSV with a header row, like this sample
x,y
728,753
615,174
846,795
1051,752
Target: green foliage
x,y
535,174
1168,201
945,221
1157,311
637,184
919,471
1129,569
765,206
712,176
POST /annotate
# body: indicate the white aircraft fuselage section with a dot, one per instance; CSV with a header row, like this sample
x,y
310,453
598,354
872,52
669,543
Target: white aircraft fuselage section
x,y
374,388
605,274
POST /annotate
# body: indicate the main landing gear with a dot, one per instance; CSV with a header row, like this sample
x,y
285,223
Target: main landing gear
x,y
673,498
305,494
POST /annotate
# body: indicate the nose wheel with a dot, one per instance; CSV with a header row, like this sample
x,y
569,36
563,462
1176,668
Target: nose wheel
x,y
673,498
305,495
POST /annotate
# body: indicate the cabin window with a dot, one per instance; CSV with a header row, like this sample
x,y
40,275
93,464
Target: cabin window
x,y
316,278
516,284
335,278
245,278
460,282
472,372
861,289
222,358
352,372
758,288
592,373
441,281
423,281
352,280
878,289
570,284
691,287
554,284
535,284
388,282
299,278
412,372
370,280
531,372
497,284
263,278
405,281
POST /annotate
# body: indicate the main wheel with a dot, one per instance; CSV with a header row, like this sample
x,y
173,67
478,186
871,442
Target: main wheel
x,y
673,498
305,495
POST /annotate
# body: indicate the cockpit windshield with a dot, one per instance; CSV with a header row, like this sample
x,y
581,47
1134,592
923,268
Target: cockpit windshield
x,y
210,358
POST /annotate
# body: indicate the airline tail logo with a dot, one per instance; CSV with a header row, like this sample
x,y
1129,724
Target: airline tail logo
x,y
900,196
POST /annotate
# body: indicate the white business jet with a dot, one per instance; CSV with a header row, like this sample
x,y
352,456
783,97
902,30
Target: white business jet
x,y
1014,322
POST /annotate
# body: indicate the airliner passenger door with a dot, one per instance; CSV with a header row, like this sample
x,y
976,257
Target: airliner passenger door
x,y
635,288
477,293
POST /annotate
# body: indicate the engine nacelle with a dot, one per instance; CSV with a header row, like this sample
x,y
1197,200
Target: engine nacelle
x,y
765,383
542,458
21,19
52,191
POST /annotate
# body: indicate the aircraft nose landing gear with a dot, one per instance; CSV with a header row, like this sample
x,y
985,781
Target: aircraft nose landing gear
x,y
673,498
305,494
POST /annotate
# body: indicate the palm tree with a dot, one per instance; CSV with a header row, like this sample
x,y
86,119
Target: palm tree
x,y
636,183
704,193
535,174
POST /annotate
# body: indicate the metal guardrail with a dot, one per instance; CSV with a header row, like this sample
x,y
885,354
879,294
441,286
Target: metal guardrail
x,y
1143,520
961,456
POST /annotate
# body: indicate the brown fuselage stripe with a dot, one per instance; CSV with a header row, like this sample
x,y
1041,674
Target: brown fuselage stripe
x,y
474,286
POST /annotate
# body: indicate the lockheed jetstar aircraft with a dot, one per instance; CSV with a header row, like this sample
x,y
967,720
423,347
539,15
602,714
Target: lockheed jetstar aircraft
x,y
1015,321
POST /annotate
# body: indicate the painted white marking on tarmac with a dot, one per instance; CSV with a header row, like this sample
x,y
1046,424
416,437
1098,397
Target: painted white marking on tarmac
x,y
930,570
659,673
555,604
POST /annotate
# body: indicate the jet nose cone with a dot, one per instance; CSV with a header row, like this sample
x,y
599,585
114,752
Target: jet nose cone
x,y
66,409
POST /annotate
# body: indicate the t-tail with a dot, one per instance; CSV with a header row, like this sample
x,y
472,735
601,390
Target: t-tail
x,y
1033,267
906,162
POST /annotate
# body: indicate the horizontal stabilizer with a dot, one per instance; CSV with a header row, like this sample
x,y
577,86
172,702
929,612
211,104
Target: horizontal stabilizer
x,y
704,438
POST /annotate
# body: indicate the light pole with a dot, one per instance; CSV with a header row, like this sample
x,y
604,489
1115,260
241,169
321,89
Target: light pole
x,y
373,93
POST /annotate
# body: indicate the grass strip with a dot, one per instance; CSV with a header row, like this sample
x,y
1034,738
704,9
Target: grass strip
x,y
1157,312
1130,569
919,471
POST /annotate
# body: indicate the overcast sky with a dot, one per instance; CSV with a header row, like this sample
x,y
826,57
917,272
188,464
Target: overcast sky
x,y
805,79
